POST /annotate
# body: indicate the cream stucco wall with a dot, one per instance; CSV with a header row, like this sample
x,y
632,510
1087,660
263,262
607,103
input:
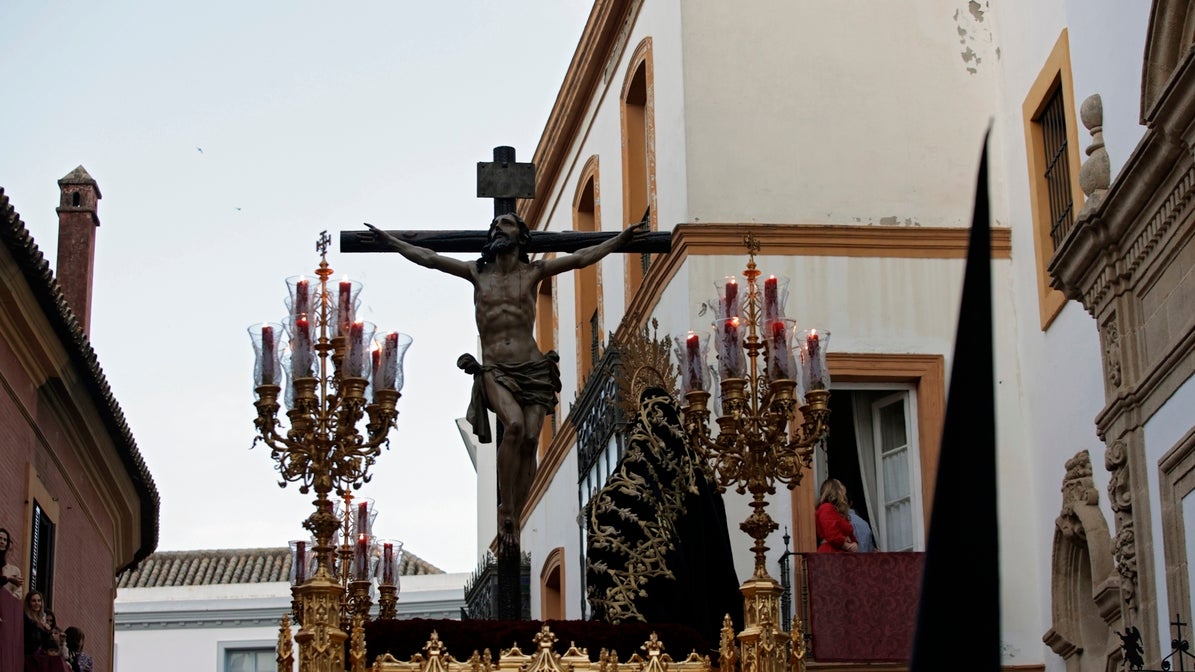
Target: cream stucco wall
x,y
863,113
840,113
1063,381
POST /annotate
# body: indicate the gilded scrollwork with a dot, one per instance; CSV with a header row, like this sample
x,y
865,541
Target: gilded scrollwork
x,y
436,659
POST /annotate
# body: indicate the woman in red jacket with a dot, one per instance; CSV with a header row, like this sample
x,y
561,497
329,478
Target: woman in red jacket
x,y
834,531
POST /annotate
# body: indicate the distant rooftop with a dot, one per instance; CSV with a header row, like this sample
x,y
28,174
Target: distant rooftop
x,y
228,566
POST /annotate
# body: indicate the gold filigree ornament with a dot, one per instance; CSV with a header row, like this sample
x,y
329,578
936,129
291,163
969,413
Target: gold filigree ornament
x,y
545,659
646,362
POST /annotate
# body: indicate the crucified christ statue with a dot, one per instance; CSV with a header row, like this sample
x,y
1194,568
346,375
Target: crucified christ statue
x,y
514,379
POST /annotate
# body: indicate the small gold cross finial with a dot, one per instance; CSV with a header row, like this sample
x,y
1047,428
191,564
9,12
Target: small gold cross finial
x,y
752,243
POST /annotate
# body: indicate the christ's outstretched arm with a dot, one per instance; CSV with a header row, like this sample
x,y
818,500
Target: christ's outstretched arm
x,y
421,255
590,255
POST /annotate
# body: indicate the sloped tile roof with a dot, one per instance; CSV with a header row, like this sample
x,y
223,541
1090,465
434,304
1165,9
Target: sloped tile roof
x,y
229,566
36,270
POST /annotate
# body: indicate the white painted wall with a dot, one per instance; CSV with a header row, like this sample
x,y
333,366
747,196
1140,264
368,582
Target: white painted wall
x,y
846,113
863,113
1061,375
554,523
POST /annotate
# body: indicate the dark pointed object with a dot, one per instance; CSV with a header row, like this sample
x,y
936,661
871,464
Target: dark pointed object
x,y
958,621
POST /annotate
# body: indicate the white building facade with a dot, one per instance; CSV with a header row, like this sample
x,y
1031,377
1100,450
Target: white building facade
x,y
846,138
199,611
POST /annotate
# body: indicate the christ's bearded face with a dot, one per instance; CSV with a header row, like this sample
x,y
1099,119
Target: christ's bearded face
x,y
504,235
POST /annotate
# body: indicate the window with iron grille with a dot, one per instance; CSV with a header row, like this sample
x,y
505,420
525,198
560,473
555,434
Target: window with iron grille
x,y
1052,157
41,554
1057,167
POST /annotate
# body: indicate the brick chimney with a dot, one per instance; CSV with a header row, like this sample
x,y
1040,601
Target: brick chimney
x,y
77,222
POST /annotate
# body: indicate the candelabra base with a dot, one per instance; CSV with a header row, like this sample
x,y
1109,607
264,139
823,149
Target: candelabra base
x,y
763,645
320,639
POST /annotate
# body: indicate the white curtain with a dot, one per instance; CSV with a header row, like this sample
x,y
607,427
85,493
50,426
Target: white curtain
x,y
865,445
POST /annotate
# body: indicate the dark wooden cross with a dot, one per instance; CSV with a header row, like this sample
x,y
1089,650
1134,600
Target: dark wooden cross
x,y
504,180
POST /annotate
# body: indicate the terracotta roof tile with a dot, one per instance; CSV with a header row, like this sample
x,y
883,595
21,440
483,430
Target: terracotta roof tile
x,y
232,566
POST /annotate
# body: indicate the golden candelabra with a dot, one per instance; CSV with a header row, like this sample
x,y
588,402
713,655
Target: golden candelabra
x,y
337,388
757,443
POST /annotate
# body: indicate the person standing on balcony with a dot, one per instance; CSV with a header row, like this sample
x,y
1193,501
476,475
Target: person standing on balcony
x,y
10,574
862,530
834,531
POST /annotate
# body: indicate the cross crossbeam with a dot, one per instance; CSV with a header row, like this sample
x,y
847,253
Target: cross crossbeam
x,y
472,241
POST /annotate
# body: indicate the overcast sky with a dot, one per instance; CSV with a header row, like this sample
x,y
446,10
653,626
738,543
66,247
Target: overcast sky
x,y
224,137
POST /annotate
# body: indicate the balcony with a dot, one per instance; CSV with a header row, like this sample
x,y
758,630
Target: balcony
x,y
596,413
481,590
859,608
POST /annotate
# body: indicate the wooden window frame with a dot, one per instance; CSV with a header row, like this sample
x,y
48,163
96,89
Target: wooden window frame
x,y
1055,76
36,491
927,375
641,59
553,568
588,280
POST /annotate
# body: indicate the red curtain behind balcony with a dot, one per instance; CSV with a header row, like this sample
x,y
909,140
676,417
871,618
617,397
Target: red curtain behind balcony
x,y
863,606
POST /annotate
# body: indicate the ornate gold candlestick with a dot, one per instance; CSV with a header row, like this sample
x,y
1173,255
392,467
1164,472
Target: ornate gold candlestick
x,y
756,446
324,449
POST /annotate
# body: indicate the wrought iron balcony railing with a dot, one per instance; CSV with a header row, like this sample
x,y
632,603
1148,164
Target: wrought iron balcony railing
x,y
596,414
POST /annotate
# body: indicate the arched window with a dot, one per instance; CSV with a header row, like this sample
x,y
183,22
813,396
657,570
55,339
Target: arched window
x,y
638,157
75,199
587,217
551,583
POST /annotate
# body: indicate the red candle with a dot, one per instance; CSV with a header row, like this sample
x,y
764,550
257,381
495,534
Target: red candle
x,y
363,518
780,351
355,357
300,561
361,559
813,347
300,360
375,356
693,355
387,363
302,299
388,564
732,349
267,355
732,297
344,306
771,302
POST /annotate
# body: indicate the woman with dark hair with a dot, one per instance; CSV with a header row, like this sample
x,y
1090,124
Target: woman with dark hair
x,y
80,661
37,628
834,530
10,574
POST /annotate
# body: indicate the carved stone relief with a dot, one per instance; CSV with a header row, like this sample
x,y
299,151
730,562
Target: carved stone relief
x,y
1124,545
1110,336
1083,575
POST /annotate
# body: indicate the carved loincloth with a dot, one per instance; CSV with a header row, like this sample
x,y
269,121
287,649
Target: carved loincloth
x,y
530,383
